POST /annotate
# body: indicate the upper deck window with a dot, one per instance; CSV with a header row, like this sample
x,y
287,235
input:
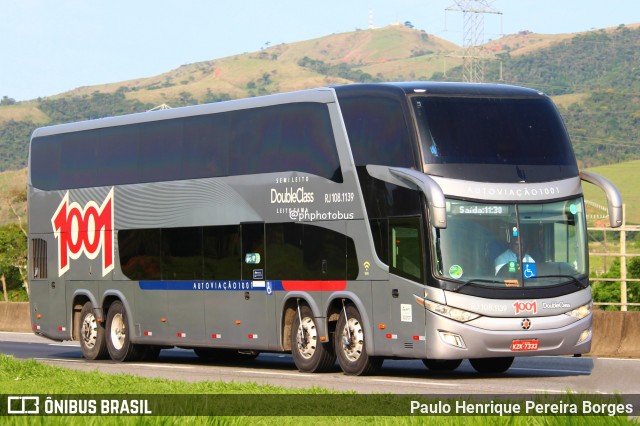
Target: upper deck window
x,y
279,138
377,130
471,131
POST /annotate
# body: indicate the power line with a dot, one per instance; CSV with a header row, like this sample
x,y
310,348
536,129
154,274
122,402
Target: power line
x,y
474,54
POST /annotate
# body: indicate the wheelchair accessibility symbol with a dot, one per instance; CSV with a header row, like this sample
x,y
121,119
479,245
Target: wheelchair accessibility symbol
x,y
529,270
269,288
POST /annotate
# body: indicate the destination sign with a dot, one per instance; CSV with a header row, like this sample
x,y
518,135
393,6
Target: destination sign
x,y
490,210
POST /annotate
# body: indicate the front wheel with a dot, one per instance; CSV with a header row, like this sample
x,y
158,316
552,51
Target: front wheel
x,y
491,365
309,353
118,336
92,335
350,345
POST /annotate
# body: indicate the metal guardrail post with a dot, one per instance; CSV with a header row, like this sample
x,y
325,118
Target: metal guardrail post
x,y
624,280
623,261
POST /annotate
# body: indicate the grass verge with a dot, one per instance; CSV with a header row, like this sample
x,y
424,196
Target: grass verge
x,y
286,406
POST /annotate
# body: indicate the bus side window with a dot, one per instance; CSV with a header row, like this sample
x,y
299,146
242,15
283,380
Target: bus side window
x,y
406,248
253,254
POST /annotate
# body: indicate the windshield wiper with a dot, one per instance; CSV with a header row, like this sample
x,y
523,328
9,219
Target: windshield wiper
x,y
477,280
570,277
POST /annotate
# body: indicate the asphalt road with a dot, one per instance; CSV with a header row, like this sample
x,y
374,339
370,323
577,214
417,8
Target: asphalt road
x,y
527,375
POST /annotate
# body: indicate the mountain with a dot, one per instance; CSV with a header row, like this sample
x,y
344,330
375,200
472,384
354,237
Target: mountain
x,y
593,77
278,69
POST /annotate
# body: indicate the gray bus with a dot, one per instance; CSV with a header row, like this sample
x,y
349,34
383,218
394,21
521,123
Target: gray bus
x,y
434,221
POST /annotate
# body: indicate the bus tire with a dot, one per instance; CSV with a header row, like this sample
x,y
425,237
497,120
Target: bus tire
x,y
92,335
491,365
350,345
442,364
309,354
118,337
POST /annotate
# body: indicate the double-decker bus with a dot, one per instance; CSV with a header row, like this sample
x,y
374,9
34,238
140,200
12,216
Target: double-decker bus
x,y
433,221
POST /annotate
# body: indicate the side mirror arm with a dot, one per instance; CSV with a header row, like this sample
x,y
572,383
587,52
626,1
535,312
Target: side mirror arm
x,y
430,188
614,199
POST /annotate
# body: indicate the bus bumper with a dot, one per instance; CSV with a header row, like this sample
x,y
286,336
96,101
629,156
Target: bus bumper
x,y
488,337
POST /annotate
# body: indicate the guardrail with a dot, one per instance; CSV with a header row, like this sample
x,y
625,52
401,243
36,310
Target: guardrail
x,y
623,255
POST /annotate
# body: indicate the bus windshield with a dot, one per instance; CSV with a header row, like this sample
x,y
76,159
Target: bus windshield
x,y
493,139
512,245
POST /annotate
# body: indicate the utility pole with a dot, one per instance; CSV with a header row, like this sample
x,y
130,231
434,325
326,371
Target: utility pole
x,y
473,57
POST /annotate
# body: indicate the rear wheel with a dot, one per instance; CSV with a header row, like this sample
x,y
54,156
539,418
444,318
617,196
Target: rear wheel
x,y
118,336
442,364
491,365
309,353
92,335
350,345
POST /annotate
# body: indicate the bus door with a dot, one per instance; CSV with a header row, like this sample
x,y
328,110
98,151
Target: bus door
x,y
406,265
47,292
251,309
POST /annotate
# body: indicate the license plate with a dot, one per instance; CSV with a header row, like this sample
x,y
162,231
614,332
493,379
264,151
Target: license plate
x,y
525,345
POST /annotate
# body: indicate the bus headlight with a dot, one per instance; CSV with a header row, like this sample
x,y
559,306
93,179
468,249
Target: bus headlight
x,y
581,312
584,336
449,312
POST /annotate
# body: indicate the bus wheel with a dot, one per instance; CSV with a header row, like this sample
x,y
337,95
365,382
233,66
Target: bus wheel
x,y
309,354
442,364
350,345
118,337
92,339
491,365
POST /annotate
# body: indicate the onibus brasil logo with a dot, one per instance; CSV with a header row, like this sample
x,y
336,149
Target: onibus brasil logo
x,y
84,230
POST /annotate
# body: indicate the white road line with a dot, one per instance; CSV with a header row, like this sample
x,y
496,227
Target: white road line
x,y
405,382
546,391
69,345
267,373
180,367
545,370
618,359
59,359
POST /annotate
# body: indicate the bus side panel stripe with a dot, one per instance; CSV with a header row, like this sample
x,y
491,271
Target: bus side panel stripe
x,y
333,285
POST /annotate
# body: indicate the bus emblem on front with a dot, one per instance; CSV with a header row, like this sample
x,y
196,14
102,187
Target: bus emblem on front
x,y
87,230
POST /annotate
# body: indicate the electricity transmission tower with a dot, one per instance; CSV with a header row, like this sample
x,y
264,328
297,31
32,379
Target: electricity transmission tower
x,y
473,56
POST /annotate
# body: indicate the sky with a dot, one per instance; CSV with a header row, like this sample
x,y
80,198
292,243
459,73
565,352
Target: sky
x,y
51,46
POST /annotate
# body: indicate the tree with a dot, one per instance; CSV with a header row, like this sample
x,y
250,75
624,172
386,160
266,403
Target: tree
x,y
606,291
13,259
7,101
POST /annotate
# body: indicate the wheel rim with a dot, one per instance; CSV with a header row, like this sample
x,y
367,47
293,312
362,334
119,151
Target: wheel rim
x,y
352,339
89,331
118,331
307,338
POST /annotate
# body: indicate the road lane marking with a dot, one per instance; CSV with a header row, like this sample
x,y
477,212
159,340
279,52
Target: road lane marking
x,y
59,359
546,391
183,367
266,373
551,371
405,382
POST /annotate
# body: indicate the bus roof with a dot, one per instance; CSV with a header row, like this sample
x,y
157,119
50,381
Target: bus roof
x,y
322,94
439,88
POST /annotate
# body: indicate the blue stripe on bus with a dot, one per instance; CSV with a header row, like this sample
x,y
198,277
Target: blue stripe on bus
x,y
231,285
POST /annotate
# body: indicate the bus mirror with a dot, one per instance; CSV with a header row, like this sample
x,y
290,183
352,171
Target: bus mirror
x,y
430,188
416,180
614,200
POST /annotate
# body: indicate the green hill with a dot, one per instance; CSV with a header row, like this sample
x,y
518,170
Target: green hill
x,y
626,177
593,77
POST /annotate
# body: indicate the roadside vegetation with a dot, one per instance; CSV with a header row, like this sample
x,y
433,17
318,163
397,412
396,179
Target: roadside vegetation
x,y
19,377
